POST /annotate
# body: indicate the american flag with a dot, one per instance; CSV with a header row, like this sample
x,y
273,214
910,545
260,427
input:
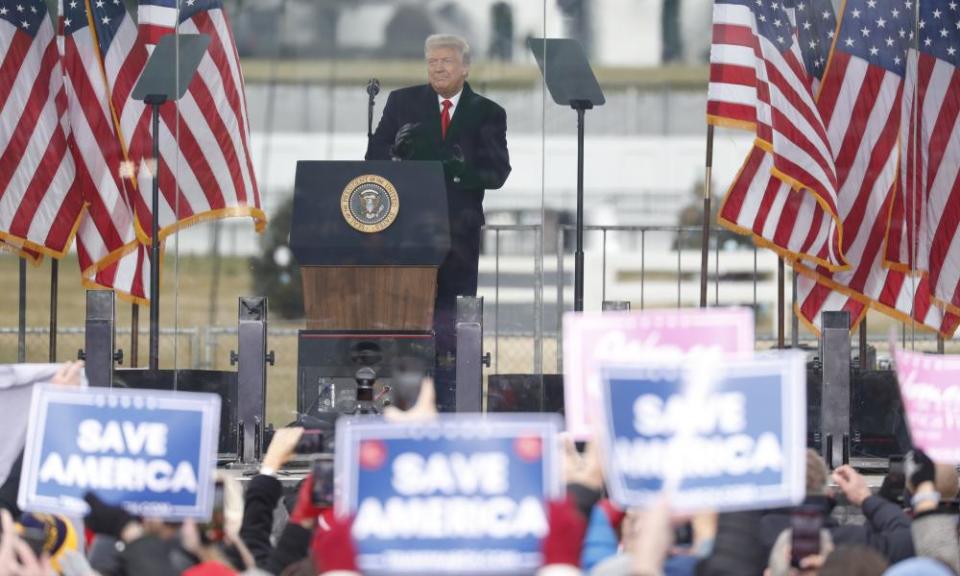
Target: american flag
x,y
785,194
860,102
107,244
927,217
156,18
39,206
205,167
131,272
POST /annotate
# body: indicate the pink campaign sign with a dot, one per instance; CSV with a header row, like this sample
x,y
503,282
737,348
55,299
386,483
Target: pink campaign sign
x,y
930,388
592,339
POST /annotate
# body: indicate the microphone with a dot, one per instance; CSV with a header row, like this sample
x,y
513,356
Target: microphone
x,y
373,87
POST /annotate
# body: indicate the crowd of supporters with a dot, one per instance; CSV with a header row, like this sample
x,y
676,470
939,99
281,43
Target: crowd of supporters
x,y
909,526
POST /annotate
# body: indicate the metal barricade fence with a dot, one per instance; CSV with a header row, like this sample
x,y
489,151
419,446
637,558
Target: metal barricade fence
x,y
178,346
526,288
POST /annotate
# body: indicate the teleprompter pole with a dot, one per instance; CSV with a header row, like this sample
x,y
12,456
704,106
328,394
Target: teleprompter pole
x,y
581,106
155,101
705,235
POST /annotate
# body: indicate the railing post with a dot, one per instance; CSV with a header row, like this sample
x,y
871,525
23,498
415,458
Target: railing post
x,y
496,303
560,281
538,300
643,266
603,273
22,313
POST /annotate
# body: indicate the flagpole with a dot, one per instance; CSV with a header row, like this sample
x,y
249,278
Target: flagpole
x,y
863,342
22,320
915,121
54,288
705,234
134,334
781,298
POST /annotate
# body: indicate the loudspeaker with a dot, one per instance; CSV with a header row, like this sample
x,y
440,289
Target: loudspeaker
x,y
224,384
525,393
878,427
99,338
251,360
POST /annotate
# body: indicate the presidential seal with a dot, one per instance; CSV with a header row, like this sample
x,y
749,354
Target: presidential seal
x,y
369,203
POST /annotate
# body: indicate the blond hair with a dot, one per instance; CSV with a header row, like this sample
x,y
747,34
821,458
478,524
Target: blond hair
x,y
458,43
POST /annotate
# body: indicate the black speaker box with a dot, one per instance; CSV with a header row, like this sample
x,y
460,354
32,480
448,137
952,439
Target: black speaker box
x,y
217,382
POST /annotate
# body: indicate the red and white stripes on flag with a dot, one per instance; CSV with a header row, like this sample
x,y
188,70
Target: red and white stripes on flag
x,y
129,275
107,237
861,105
205,167
39,207
926,217
788,221
156,19
758,81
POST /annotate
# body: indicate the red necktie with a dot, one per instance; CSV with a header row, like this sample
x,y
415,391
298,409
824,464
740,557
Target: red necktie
x,y
445,117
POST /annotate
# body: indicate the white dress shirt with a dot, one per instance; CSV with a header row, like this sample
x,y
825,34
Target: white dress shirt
x,y
454,100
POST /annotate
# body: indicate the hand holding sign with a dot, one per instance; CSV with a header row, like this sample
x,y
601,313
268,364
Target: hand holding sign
x,y
424,410
282,447
919,468
652,538
585,469
16,556
69,374
852,484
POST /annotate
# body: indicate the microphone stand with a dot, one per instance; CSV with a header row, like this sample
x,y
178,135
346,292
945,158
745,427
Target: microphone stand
x,y
373,88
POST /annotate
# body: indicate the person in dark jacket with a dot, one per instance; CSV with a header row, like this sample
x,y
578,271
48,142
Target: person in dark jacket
x,y
887,527
263,494
934,501
446,121
738,548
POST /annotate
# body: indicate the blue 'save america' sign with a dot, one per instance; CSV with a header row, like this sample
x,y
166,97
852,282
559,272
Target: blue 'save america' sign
x,y
153,452
459,495
724,435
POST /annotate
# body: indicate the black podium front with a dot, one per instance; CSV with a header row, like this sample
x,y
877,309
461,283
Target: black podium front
x,y
369,237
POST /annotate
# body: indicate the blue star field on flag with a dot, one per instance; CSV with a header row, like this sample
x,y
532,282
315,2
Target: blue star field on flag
x,y
25,15
878,31
816,27
940,29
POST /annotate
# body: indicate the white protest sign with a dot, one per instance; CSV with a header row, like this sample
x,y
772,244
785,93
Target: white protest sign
x,y
592,339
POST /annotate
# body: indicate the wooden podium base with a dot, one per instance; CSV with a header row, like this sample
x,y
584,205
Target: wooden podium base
x,y
369,297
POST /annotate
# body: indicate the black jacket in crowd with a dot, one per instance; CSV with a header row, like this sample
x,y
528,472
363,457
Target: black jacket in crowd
x,y
887,527
261,498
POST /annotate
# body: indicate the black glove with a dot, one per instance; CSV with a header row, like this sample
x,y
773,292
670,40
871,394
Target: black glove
x,y
454,164
104,518
918,467
404,144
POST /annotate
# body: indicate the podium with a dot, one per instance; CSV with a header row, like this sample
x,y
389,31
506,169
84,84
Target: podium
x,y
369,237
